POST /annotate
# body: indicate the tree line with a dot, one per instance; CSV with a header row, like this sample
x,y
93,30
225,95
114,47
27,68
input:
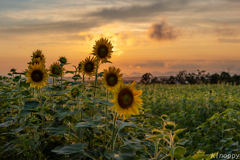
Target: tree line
x,y
192,78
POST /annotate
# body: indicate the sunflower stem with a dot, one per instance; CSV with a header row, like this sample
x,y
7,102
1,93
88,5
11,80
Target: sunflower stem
x,y
114,127
52,92
40,98
106,113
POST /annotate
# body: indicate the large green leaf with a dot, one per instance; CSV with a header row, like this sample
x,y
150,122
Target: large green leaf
x,y
70,149
88,124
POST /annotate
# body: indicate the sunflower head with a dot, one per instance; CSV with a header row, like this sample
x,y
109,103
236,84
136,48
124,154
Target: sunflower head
x,y
164,117
38,54
169,125
74,92
126,100
37,75
89,66
103,49
62,60
111,77
56,69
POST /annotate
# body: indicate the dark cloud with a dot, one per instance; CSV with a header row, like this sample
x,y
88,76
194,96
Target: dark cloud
x,y
161,32
235,41
139,12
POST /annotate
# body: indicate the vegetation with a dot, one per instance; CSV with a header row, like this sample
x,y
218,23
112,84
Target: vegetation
x,y
107,119
191,78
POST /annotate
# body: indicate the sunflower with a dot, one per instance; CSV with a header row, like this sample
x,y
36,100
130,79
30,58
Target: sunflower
x,y
38,54
126,100
62,60
89,66
74,92
102,49
56,69
111,77
36,61
37,75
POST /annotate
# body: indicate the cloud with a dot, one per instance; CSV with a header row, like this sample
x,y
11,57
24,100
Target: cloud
x,y
139,13
161,31
225,30
235,41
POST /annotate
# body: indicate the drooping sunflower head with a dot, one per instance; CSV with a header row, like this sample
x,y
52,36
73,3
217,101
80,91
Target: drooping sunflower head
x,y
111,77
56,69
169,125
37,75
126,100
62,60
89,66
103,49
74,92
38,54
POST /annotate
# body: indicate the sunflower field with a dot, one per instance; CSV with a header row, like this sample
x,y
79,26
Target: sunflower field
x,y
106,119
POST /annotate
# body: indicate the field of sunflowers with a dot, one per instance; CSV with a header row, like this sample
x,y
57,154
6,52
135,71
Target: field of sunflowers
x,y
107,119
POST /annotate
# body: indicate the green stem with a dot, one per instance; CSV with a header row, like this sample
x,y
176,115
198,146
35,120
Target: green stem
x,y
106,113
114,128
40,97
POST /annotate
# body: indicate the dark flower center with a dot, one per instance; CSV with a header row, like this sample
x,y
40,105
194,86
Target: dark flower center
x,y
125,98
37,76
112,79
89,67
102,51
56,70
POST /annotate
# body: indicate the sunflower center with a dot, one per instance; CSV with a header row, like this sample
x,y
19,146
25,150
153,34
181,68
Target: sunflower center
x,y
112,79
56,70
37,75
102,51
89,67
125,98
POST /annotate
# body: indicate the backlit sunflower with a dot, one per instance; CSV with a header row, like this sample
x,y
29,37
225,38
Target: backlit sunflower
x,y
36,61
89,66
126,100
103,49
37,75
55,69
38,54
111,77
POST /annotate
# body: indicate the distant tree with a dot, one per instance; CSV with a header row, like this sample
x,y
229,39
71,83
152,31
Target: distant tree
x,y
154,80
214,78
225,77
146,78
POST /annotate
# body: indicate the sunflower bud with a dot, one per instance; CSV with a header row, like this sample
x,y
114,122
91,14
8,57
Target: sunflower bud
x,y
62,60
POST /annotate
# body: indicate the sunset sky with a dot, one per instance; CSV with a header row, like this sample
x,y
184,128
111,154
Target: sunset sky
x,y
162,37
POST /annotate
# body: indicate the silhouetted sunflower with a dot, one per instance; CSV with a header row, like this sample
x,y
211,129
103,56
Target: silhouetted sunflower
x,y
38,54
89,66
126,100
103,49
37,75
111,77
62,60
56,69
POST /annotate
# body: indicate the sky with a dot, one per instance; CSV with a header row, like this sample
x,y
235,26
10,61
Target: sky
x,y
162,37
